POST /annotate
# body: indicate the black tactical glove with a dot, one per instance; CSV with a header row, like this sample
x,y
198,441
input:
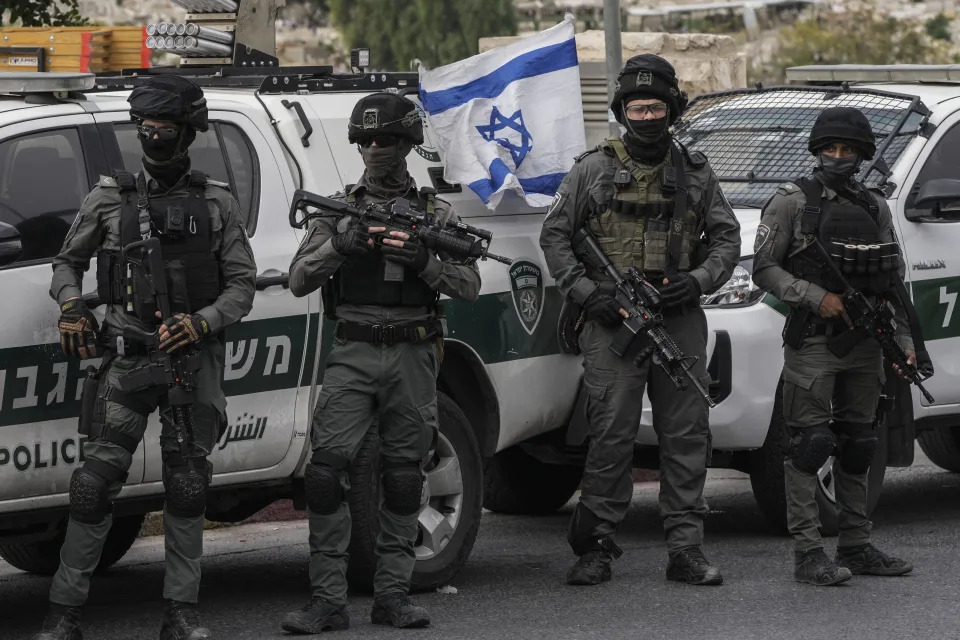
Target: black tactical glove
x,y
683,290
603,309
182,329
412,254
352,241
78,330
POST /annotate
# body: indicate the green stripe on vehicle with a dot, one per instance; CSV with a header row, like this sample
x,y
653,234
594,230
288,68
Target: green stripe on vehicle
x,y
37,383
936,302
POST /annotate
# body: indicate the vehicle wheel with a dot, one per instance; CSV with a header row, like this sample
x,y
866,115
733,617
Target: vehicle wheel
x,y
516,482
448,521
44,557
766,476
942,446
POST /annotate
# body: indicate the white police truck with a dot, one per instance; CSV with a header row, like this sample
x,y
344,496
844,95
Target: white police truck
x,y
512,432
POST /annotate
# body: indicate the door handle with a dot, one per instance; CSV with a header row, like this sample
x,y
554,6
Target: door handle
x,y
273,280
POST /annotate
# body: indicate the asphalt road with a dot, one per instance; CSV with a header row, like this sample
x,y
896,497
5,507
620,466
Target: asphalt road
x,y
513,585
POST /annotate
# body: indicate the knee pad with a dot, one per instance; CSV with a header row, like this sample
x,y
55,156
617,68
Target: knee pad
x,y
89,500
321,481
402,487
858,445
186,488
812,447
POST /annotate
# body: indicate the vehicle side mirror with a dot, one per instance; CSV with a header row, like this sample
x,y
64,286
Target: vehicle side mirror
x,y
942,196
10,245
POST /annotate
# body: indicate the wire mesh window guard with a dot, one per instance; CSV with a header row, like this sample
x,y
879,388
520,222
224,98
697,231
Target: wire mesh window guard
x,y
757,139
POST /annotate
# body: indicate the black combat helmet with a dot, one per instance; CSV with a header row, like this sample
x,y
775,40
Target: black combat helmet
x,y
385,114
648,76
170,98
844,124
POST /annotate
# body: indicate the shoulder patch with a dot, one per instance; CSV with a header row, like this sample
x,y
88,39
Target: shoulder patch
x,y
787,188
586,153
763,232
107,182
696,158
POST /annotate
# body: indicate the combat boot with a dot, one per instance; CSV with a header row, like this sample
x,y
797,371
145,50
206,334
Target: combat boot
x,y
814,567
691,566
593,567
61,623
398,611
182,622
866,559
317,617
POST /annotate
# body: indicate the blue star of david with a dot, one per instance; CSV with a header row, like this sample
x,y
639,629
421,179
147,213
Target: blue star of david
x,y
515,122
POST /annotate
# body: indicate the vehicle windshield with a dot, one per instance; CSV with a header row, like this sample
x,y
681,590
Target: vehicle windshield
x,y
757,140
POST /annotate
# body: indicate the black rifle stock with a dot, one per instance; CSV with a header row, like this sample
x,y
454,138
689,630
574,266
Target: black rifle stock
x,y
178,371
869,321
640,300
457,239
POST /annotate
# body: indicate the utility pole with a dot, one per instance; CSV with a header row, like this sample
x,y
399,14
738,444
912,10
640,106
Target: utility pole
x,y
611,29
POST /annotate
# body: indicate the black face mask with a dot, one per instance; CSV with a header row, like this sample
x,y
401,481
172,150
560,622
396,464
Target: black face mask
x,y
387,168
647,140
167,160
837,172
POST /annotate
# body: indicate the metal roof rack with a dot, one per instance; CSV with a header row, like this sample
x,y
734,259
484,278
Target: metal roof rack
x,y
316,79
292,82
838,73
213,76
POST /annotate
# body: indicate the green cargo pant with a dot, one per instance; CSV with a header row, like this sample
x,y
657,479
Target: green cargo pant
x,y
819,388
397,387
183,537
680,418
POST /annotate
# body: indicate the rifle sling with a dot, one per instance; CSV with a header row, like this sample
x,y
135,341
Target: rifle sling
x,y
679,211
924,362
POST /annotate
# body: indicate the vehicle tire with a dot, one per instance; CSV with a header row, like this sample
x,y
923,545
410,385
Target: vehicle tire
x,y
448,522
517,483
43,557
766,476
942,446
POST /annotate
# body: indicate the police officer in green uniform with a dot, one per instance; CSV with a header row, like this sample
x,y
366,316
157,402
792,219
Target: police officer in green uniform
x,y
199,227
652,204
382,368
830,402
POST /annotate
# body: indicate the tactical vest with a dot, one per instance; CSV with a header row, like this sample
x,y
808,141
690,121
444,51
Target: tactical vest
x,y
851,235
182,223
635,228
363,279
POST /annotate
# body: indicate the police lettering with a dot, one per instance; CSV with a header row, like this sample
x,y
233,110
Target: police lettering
x,y
42,455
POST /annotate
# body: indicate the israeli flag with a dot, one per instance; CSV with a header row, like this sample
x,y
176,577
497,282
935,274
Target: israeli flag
x,y
509,118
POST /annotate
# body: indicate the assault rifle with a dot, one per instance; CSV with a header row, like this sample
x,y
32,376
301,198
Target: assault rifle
x,y
869,321
641,301
459,240
177,371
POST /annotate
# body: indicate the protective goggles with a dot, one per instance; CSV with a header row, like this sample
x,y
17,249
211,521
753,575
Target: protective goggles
x,y
148,132
381,140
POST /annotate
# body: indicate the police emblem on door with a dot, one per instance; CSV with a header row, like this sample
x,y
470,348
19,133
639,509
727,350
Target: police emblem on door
x,y
526,282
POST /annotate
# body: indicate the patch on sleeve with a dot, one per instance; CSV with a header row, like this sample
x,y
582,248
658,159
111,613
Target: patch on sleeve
x,y
557,203
108,182
763,233
787,189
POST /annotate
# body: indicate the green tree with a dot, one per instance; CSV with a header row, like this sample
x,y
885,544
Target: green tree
x,y
938,27
859,36
42,13
434,31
